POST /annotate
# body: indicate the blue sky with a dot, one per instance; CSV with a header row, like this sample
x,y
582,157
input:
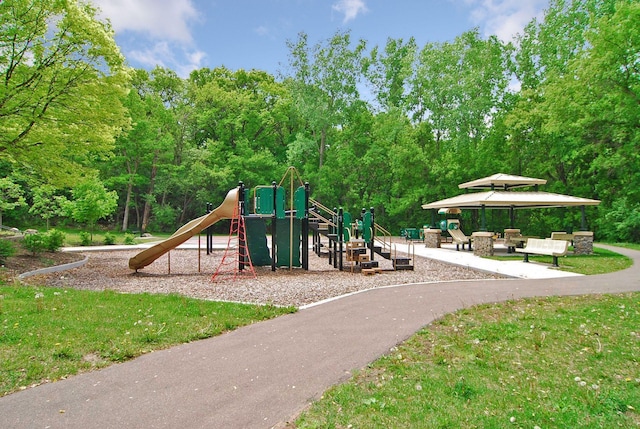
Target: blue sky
x,y
184,35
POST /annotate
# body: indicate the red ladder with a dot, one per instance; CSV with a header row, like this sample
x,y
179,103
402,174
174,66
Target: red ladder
x,y
230,263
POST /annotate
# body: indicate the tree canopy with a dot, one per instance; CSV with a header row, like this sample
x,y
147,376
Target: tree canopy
x,y
389,127
62,80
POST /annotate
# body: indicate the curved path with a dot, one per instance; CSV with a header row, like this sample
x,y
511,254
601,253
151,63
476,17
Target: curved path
x,y
261,375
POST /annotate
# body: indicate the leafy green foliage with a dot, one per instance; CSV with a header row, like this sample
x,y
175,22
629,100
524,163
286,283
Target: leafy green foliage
x,y
47,204
86,238
109,239
561,104
7,249
35,243
50,241
54,240
11,196
91,201
62,79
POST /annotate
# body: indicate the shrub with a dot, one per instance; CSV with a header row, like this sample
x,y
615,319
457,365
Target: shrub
x,y
54,240
109,239
129,239
85,238
35,243
7,249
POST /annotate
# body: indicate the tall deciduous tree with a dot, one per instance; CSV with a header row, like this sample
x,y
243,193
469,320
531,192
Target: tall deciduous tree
x,y
11,195
325,83
60,87
389,71
91,202
47,204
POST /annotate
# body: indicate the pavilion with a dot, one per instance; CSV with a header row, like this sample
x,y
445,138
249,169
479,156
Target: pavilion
x,y
498,195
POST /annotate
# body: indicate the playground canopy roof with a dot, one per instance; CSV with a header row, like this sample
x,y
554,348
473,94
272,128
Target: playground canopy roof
x,y
504,181
505,199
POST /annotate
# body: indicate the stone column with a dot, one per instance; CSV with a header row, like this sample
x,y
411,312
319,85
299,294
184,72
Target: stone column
x,y
583,243
482,243
431,238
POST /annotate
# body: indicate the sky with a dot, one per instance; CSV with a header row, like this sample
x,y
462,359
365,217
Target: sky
x,y
184,35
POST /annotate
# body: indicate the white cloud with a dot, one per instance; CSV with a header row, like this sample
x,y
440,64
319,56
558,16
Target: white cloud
x,y
262,30
350,8
505,18
162,54
166,29
162,19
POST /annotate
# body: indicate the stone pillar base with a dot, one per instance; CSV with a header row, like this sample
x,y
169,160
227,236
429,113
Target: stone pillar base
x,y
583,243
432,238
482,243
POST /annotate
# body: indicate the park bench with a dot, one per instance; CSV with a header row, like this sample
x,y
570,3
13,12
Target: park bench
x,y
538,246
561,235
459,238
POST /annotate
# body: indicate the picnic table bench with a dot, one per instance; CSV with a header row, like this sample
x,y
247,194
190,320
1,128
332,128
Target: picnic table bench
x,y
459,238
559,235
538,246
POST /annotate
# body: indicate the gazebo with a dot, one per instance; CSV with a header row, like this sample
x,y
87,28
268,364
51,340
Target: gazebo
x,y
497,194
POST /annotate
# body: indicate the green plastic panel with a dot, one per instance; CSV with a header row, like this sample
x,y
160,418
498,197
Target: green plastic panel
x,y
264,201
256,233
286,254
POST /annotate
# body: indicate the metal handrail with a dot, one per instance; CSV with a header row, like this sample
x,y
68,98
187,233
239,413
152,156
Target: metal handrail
x,y
385,241
322,218
323,207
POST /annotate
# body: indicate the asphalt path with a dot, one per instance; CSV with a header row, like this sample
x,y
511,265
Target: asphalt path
x,y
262,375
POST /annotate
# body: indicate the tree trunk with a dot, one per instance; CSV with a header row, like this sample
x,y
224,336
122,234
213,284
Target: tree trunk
x,y
125,220
323,143
147,202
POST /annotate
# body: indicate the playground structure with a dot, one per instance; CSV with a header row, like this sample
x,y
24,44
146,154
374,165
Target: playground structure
x,y
334,233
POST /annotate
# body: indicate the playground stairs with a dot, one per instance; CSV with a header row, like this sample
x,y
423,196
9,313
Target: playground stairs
x,y
402,263
236,260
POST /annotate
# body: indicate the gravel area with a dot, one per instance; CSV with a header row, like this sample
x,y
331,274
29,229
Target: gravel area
x,y
296,287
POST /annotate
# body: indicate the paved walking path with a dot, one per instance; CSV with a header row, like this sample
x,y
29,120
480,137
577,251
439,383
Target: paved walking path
x,y
261,375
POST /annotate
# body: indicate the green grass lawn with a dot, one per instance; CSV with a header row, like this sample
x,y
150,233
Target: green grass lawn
x,y
571,362
600,262
49,333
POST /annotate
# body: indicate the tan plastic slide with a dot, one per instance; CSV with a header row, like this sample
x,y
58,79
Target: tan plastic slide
x,y
223,211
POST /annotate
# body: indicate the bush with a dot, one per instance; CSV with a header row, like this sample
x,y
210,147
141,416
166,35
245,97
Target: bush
x,y
129,239
85,238
109,239
7,249
35,243
54,240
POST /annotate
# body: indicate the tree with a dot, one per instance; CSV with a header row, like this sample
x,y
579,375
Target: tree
x,y
11,196
91,202
595,109
324,83
47,204
389,72
60,89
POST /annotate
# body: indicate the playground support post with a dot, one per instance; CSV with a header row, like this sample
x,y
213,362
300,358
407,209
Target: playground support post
x,y
209,231
273,227
373,233
305,229
340,236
